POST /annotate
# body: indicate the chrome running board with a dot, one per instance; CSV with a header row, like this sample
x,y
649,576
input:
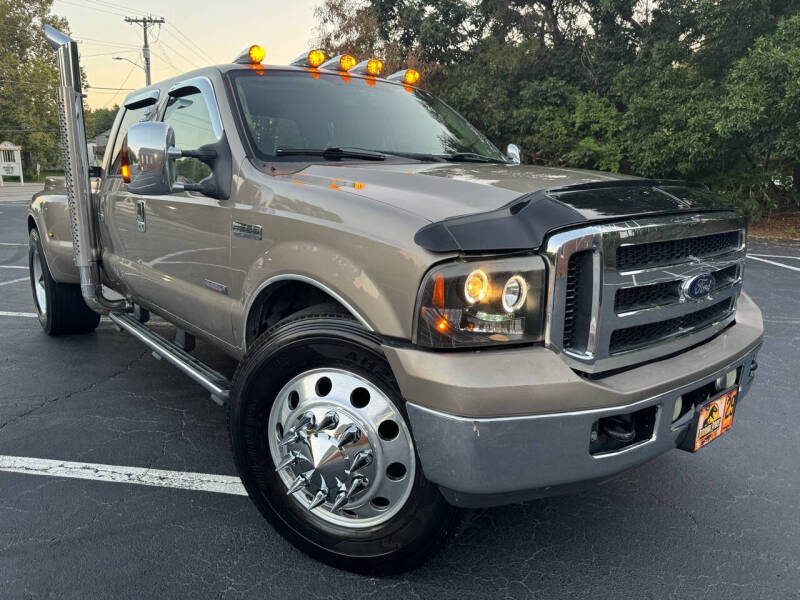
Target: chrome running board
x,y
214,382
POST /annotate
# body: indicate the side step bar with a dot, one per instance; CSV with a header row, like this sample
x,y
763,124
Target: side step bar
x,y
214,382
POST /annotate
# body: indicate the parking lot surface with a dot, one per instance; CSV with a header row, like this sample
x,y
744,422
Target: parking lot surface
x,y
724,523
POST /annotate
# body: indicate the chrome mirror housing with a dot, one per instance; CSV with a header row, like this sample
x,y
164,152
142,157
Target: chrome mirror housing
x,y
149,152
513,154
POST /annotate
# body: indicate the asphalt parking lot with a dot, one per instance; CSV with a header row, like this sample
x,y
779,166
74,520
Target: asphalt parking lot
x,y
724,523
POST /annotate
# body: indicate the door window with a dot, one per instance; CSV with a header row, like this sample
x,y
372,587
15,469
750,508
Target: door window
x,y
190,120
129,117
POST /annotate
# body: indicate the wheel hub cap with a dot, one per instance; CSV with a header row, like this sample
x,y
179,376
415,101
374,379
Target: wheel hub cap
x,y
341,448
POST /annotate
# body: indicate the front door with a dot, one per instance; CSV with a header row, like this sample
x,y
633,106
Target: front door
x,y
178,252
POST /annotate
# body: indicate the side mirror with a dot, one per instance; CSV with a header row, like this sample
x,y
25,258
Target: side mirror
x,y
148,158
513,154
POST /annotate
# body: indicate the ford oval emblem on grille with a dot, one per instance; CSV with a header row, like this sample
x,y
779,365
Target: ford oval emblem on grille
x,y
698,286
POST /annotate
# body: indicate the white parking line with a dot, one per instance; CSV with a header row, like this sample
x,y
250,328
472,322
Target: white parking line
x,y
200,482
772,262
2,283
12,244
13,267
774,256
4,313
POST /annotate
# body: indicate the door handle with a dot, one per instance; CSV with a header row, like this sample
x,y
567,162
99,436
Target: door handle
x,y
141,223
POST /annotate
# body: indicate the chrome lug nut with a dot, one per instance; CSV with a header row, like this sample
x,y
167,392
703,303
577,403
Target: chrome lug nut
x,y
300,482
359,483
329,421
339,502
351,435
305,421
291,459
360,460
290,438
319,499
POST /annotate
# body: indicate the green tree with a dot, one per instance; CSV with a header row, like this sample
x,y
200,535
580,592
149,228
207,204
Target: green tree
x,y
28,79
761,111
702,89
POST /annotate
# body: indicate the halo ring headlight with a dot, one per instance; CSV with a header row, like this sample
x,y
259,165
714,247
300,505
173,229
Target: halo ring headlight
x,y
515,292
476,286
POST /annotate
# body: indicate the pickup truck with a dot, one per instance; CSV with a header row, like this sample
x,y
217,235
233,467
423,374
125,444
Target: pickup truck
x,y
421,323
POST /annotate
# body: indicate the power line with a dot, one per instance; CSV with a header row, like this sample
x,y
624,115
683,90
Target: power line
x,y
96,89
170,27
146,23
93,42
107,53
124,81
171,49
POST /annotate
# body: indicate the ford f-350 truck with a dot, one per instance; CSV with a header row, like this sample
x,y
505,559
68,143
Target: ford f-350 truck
x,y
421,322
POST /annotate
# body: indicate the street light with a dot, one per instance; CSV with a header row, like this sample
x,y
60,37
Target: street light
x,y
130,61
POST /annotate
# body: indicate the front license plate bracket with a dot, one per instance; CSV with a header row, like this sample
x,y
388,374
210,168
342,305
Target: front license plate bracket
x,y
712,418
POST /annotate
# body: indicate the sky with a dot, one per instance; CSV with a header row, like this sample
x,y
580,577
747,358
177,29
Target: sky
x,y
221,29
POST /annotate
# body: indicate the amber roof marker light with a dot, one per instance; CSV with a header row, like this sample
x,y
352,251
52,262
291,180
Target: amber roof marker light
x,y
372,66
313,58
342,62
252,55
407,76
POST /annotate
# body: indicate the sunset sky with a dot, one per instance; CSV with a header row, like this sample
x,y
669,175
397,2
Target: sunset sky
x,y
221,29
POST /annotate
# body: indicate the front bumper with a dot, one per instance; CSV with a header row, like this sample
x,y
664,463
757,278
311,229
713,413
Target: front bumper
x,y
503,426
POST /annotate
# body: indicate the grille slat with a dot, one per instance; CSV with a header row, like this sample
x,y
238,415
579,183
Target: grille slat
x,y
631,338
664,293
657,254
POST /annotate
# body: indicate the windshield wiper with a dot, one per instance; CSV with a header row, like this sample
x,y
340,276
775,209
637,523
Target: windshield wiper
x,y
471,157
331,153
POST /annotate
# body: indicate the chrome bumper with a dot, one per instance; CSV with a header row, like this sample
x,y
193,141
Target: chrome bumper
x,y
481,460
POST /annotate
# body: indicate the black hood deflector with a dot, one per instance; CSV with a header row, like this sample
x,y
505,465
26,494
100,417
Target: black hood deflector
x,y
524,223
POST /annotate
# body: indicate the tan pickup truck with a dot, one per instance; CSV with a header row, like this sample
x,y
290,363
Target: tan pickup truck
x,y
422,322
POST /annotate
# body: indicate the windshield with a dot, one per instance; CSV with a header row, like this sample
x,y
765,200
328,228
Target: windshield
x,y
285,110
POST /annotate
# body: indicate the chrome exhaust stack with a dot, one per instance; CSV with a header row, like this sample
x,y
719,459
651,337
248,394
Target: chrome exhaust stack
x,y
76,172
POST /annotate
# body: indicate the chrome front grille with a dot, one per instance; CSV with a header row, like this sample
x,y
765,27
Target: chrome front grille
x,y
618,291
670,252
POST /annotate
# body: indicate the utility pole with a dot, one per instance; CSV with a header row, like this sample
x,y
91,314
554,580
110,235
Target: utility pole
x,y
145,22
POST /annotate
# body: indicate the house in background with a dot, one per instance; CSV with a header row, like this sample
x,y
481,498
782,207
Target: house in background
x,y
10,162
97,147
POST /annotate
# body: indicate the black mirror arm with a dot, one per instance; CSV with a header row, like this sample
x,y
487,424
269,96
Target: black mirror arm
x,y
204,154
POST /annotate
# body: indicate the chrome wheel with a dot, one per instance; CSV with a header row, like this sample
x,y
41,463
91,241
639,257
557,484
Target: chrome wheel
x,y
38,282
341,448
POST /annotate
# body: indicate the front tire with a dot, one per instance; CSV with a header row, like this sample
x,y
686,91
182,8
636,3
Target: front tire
x,y
325,377
59,306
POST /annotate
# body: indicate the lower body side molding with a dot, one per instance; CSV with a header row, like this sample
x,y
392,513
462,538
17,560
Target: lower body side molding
x,y
214,382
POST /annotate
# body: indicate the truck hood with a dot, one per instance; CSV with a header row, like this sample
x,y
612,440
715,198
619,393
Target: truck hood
x,y
491,207
440,190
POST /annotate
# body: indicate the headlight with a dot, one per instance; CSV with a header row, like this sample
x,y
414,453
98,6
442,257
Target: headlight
x,y
481,303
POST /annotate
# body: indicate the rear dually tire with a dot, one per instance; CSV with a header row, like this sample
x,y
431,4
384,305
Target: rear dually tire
x,y
59,306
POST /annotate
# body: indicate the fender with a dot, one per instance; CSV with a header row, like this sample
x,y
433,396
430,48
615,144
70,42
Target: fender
x,y
333,273
50,213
